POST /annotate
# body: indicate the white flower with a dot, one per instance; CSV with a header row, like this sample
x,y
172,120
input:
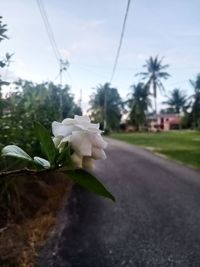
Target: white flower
x,y
84,137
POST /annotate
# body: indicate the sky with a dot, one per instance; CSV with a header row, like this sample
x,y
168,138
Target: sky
x,y
87,35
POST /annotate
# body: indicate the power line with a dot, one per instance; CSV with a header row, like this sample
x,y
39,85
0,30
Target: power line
x,y
49,30
56,77
115,63
120,41
62,64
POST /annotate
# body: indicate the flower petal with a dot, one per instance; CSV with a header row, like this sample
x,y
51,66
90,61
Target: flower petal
x,y
68,121
84,137
81,143
94,126
60,129
98,153
97,140
84,118
87,127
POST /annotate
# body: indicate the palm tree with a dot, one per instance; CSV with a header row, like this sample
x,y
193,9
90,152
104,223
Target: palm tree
x,y
139,103
106,105
3,30
3,62
196,102
154,75
177,100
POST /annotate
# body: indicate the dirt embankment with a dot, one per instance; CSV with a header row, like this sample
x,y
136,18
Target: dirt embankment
x,y
26,220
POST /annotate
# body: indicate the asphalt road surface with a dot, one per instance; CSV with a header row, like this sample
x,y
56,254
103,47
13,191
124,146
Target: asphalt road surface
x,y
155,221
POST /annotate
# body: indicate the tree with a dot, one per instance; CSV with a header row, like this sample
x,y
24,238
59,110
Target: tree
x,y
106,105
154,75
169,110
196,102
34,102
3,30
177,100
138,104
5,61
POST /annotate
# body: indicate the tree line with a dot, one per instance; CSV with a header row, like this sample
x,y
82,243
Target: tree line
x,y
139,101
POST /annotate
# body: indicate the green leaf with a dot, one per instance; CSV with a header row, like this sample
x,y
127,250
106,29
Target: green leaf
x,y
43,162
88,181
64,157
46,142
16,152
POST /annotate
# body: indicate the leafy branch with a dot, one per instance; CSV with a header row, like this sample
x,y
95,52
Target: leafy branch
x,y
57,161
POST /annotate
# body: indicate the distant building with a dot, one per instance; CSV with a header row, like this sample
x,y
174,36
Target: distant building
x,y
164,122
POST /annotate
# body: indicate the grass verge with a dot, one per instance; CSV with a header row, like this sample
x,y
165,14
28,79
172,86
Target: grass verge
x,y
183,146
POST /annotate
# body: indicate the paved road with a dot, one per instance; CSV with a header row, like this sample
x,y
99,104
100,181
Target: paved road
x,y
155,221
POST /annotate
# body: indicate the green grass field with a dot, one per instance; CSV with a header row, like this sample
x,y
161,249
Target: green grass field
x,y
183,146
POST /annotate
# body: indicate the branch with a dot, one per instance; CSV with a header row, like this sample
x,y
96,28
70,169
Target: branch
x,y
25,172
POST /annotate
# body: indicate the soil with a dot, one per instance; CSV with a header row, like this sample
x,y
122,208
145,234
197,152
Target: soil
x,y
28,215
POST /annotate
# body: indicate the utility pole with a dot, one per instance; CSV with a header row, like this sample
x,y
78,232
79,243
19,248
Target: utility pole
x,y
63,67
80,99
106,88
60,72
105,109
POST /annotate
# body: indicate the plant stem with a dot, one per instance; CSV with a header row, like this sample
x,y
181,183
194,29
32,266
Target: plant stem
x,y
24,171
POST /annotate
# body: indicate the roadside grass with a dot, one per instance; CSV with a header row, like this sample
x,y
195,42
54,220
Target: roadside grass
x,y
183,146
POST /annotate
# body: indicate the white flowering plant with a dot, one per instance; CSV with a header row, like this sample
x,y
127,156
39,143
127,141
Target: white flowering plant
x,y
75,144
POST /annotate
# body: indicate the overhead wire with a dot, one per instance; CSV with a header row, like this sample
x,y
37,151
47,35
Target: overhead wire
x,y
52,40
116,62
61,63
49,30
120,41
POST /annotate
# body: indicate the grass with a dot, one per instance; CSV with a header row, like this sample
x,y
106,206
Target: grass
x,y
183,146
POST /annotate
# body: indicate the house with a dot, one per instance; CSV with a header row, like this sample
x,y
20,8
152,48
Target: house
x,y
164,122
